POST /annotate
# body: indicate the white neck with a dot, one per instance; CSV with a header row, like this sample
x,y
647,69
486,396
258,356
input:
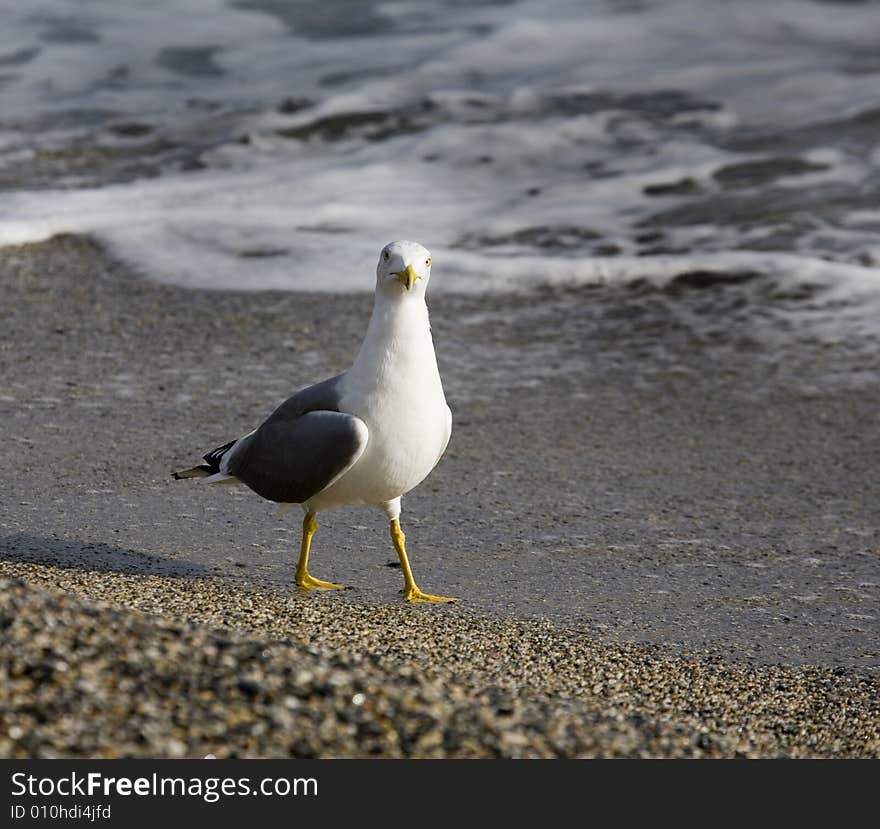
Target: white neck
x,y
397,345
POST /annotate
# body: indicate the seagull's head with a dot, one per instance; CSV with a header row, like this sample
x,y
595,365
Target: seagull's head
x,y
404,269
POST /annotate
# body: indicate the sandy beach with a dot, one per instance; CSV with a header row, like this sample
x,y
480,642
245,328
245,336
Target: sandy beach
x,y
663,531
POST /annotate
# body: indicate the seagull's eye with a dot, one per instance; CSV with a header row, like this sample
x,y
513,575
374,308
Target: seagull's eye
x,y
386,255
428,262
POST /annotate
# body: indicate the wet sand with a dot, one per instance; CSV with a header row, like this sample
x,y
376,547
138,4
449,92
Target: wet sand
x,y
638,467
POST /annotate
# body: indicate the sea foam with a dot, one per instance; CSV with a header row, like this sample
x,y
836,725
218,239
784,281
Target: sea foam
x,y
523,143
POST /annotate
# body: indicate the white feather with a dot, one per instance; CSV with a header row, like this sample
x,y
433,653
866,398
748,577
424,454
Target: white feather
x,y
220,478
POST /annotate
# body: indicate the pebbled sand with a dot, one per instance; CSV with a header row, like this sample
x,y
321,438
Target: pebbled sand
x,y
111,665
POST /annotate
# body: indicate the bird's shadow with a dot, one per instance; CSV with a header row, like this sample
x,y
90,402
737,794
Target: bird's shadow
x,y
73,554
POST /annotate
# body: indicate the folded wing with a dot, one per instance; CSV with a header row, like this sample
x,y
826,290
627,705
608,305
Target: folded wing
x,y
290,460
304,446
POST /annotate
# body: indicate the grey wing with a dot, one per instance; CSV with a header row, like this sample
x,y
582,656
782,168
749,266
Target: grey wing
x,y
303,447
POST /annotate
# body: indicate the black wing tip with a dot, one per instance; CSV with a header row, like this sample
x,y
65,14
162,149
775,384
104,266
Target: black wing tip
x,y
213,457
211,465
212,461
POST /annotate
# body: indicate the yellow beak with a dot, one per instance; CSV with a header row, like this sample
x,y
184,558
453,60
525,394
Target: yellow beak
x,y
408,277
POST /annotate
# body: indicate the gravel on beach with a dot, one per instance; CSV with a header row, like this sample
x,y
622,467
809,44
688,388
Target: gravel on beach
x,y
112,665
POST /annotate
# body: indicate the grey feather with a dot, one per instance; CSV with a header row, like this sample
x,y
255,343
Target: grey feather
x,y
301,448
324,396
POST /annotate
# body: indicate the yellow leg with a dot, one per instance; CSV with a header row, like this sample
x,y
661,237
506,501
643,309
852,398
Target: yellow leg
x,y
410,588
303,580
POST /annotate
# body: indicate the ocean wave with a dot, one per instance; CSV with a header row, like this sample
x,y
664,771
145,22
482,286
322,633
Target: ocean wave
x,y
525,143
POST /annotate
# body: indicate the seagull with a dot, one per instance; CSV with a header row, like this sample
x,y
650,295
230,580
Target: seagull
x,y
366,436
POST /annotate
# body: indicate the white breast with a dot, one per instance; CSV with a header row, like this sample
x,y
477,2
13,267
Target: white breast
x,y
394,387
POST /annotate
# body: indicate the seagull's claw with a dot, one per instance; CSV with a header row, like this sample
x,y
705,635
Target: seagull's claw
x,y
309,582
415,595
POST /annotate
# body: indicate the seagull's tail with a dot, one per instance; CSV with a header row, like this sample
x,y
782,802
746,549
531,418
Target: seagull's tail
x,y
200,471
210,467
